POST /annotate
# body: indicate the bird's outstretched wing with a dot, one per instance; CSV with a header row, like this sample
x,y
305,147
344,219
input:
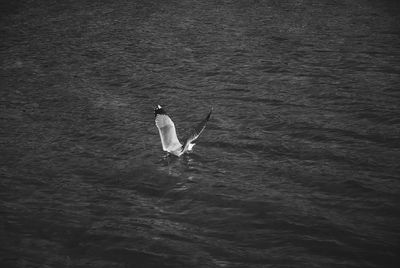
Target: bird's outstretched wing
x,y
195,133
167,131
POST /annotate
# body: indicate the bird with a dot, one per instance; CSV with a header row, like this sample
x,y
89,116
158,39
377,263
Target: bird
x,y
169,140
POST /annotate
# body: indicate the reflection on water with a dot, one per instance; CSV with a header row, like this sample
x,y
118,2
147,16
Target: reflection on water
x,y
298,166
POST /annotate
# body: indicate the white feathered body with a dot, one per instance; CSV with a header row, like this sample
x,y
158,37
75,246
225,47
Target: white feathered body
x,y
169,140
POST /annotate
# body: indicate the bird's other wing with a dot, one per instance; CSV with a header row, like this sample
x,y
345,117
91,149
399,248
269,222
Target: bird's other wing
x,y
195,133
167,131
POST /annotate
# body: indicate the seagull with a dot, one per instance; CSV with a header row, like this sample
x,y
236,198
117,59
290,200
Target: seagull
x,y
169,140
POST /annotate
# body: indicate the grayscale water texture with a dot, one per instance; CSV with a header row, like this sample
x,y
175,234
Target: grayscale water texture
x,y
298,167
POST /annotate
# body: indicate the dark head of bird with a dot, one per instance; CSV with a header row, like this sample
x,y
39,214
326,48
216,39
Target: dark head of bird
x,y
159,110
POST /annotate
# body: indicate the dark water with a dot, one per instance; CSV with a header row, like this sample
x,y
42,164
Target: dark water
x,y
299,166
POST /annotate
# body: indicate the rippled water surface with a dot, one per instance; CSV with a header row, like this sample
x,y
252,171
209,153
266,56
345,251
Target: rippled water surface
x,y
298,167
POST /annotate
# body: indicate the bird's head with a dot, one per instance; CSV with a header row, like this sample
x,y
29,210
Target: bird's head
x,y
159,110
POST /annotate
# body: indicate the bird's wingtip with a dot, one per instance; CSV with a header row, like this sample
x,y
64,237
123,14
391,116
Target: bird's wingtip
x,y
209,114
